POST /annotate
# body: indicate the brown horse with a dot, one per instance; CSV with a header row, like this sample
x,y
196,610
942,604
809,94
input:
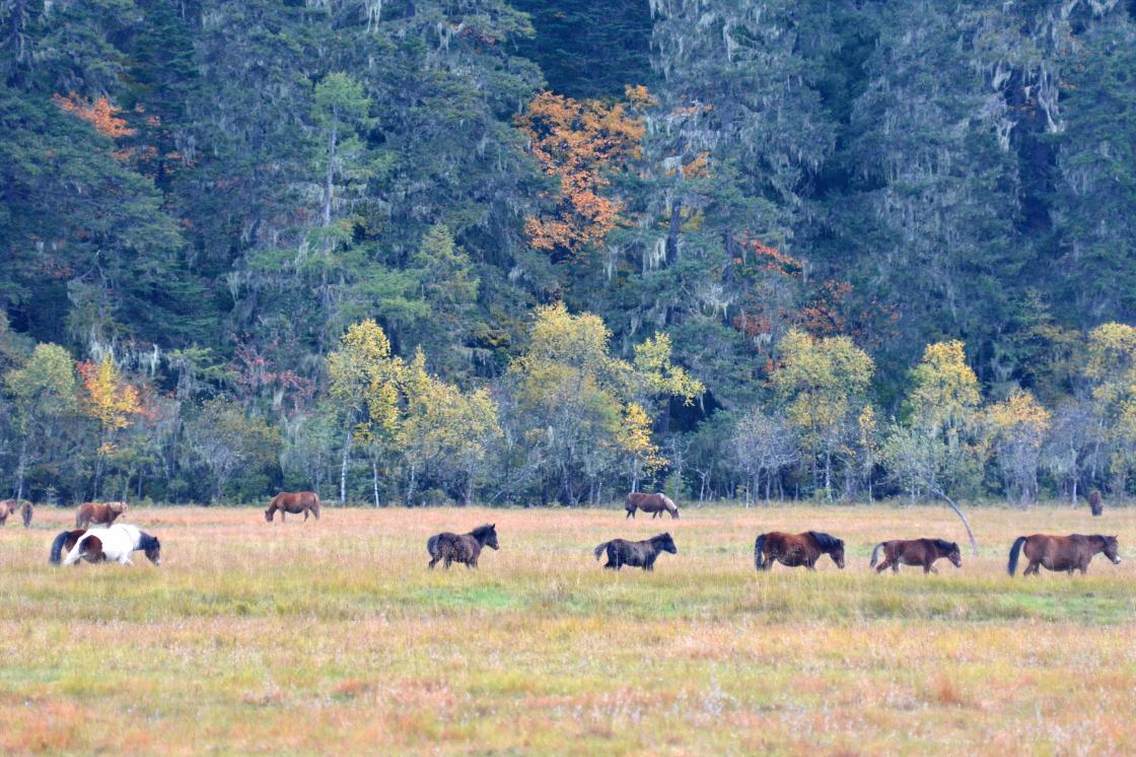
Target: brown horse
x,y
637,554
1061,553
656,504
26,511
463,548
65,542
794,550
915,552
98,512
295,503
1095,506
7,507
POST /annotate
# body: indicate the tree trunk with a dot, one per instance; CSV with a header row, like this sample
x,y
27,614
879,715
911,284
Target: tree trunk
x,y
343,469
22,469
375,479
965,523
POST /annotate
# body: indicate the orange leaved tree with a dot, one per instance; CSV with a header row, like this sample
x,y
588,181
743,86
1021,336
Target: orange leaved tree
x,y
578,141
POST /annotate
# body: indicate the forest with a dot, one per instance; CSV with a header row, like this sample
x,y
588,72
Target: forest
x,y
522,252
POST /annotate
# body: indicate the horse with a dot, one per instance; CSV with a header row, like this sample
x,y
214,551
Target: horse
x,y
26,511
463,548
637,554
1095,506
7,507
655,504
295,503
98,512
794,550
112,544
1061,553
64,542
915,552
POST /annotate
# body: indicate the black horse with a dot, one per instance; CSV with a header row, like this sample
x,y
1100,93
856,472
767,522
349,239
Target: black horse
x,y
463,548
637,554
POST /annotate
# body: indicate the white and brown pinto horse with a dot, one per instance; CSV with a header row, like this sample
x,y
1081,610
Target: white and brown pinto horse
x,y
295,503
111,544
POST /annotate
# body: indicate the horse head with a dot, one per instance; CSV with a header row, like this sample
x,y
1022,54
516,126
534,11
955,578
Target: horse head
x,y
268,515
152,547
955,555
666,543
117,507
1111,549
487,535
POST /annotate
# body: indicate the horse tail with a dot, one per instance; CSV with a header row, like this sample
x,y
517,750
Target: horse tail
x,y
1014,551
875,553
758,550
600,549
57,547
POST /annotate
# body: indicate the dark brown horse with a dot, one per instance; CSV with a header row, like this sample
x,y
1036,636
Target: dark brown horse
x,y
295,503
794,550
64,542
915,552
463,548
656,504
26,511
637,554
1061,553
7,507
1095,506
98,512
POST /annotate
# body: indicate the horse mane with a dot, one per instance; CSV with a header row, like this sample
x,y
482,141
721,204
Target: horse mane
x,y
146,541
481,533
666,536
826,541
944,545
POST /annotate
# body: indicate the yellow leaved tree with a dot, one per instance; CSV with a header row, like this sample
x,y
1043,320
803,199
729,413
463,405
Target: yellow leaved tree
x,y
111,401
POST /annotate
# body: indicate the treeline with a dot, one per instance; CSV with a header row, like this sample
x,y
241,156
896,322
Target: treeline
x,y
568,421
778,219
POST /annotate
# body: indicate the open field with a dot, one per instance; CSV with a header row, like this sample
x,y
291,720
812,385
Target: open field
x,y
333,636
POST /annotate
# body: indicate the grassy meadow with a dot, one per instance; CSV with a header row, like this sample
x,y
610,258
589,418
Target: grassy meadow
x,y
333,636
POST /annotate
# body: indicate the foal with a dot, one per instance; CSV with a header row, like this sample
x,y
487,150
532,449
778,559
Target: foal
x,y
915,552
463,548
637,554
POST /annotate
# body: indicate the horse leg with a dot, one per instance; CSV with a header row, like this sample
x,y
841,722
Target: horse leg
x,y
432,561
630,514
305,515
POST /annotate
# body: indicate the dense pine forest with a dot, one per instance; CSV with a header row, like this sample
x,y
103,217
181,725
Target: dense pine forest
x,y
533,252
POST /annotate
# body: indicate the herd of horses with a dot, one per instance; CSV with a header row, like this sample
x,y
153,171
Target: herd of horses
x,y
97,538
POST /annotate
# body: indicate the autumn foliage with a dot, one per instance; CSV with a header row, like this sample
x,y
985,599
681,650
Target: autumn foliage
x,y
578,141
99,114
108,399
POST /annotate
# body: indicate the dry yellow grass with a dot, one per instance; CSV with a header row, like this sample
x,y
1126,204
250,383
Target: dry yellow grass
x,y
332,636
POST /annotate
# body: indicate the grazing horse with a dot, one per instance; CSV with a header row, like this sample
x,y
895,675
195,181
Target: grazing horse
x,y
795,550
64,542
113,544
295,503
98,512
656,504
915,552
463,548
1061,553
637,554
